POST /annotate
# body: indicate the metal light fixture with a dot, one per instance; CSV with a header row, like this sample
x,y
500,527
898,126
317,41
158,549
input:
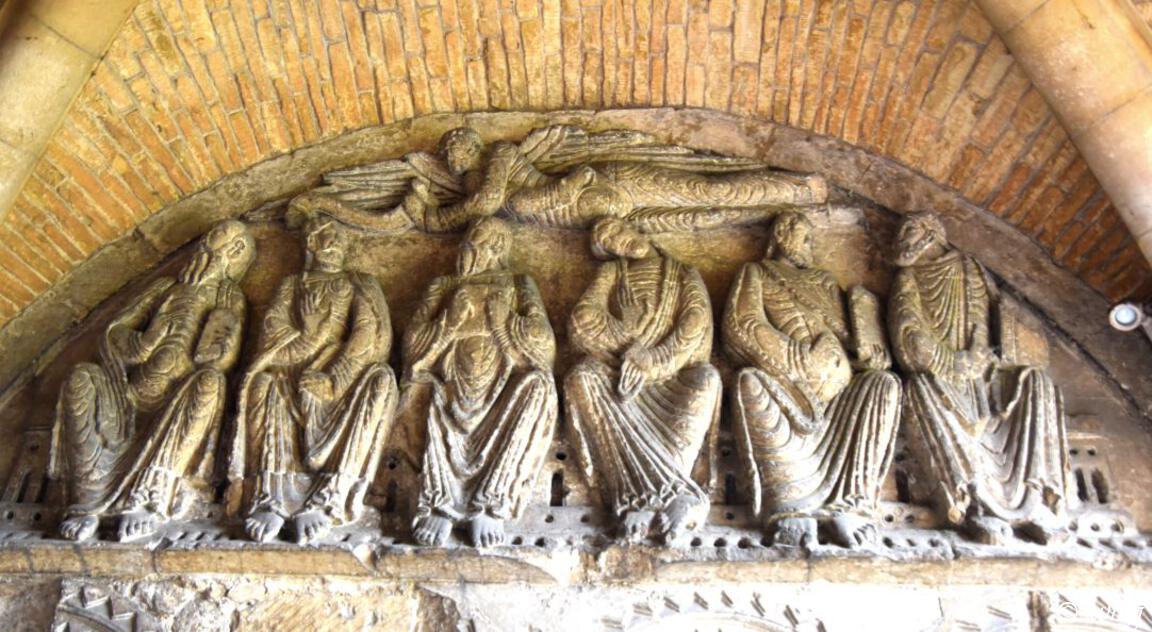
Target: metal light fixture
x,y
1131,316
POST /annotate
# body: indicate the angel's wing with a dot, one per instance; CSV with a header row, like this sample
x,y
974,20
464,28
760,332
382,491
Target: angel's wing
x,y
558,148
383,185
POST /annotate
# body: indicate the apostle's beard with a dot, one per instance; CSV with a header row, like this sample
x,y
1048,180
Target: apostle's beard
x,y
910,253
474,260
204,266
798,256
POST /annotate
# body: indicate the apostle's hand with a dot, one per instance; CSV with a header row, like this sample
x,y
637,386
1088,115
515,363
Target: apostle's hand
x,y
826,355
317,385
634,371
499,308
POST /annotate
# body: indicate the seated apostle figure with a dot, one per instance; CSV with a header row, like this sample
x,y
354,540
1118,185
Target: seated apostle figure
x,y
478,357
644,397
814,410
989,430
317,400
136,434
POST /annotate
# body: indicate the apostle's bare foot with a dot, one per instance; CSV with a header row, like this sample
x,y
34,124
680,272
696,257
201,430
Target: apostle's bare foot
x,y
263,526
486,530
989,530
795,532
853,531
311,526
676,518
79,527
432,530
634,525
1044,527
137,524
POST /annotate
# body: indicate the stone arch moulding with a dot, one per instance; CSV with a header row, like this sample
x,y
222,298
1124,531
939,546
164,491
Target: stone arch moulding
x,y
546,550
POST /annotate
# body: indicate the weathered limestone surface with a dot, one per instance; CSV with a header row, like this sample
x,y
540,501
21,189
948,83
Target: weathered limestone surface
x,y
532,300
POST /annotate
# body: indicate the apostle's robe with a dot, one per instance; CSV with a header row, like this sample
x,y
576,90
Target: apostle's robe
x,y
164,360
993,438
817,438
639,449
478,355
334,326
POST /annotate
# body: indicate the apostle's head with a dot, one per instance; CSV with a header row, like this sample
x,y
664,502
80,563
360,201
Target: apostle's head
x,y
612,238
791,240
325,245
921,236
226,251
461,148
486,246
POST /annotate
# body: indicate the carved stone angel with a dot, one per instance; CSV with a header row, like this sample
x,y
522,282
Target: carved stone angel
x,y
136,434
478,355
559,176
817,436
991,433
644,398
317,401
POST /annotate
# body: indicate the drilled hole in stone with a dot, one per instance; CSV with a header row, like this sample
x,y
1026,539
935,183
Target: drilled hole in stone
x,y
1074,452
889,543
765,542
720,543
36,517
1091,451
1117,527
517,541
549,518
744,543
728,515
697,542
889,518
541,542
935,542
911,543
1095,527
909,518
725,452
585,518
560,456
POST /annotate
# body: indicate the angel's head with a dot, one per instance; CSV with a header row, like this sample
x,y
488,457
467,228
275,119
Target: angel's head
x,y
921,235
485,247
791,239
325,244
461,149
617,238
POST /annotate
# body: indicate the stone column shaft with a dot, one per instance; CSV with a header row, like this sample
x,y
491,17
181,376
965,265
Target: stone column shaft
x,y
1092,61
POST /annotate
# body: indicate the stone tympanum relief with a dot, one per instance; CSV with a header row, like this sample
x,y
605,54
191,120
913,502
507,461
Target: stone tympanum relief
x,y
136,433
815,410
478,356
800,427
560,176
991,432
643,398
317,400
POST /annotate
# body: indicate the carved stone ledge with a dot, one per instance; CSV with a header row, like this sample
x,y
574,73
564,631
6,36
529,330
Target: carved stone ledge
x,y
934,559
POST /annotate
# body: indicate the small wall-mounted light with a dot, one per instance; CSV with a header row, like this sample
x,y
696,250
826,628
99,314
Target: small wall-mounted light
x,y
1127,316
1131,316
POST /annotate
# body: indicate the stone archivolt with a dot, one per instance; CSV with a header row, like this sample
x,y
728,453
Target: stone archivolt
x,y
815,404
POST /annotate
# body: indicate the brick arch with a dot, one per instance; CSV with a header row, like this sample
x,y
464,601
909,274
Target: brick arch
x,y
191,91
